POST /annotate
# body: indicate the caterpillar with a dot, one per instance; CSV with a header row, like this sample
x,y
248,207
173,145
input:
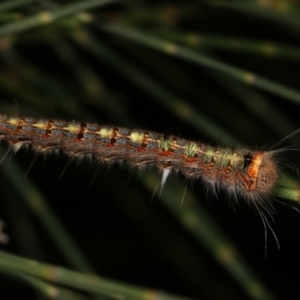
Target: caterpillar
x,y
245,173
240,172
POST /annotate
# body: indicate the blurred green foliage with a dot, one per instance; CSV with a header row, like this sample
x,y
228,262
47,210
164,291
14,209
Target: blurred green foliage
x,y
223,72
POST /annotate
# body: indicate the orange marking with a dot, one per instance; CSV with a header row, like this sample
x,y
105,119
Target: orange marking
x,y
191,159
109,145
253,170
255,164
140,149
166,153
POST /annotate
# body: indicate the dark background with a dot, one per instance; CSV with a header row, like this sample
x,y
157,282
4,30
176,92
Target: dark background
x,y
233,81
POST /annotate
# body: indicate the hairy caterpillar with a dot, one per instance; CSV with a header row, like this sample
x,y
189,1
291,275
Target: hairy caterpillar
x,y
241,172
251,174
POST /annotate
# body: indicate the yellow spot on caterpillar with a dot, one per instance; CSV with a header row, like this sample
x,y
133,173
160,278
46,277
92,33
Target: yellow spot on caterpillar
x,y
235,159
165,144
41,125
191,149
74,128
137,137
13,121
106,133
209,155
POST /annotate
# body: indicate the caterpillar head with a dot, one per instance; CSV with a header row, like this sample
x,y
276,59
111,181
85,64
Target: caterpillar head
x,y
267,173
